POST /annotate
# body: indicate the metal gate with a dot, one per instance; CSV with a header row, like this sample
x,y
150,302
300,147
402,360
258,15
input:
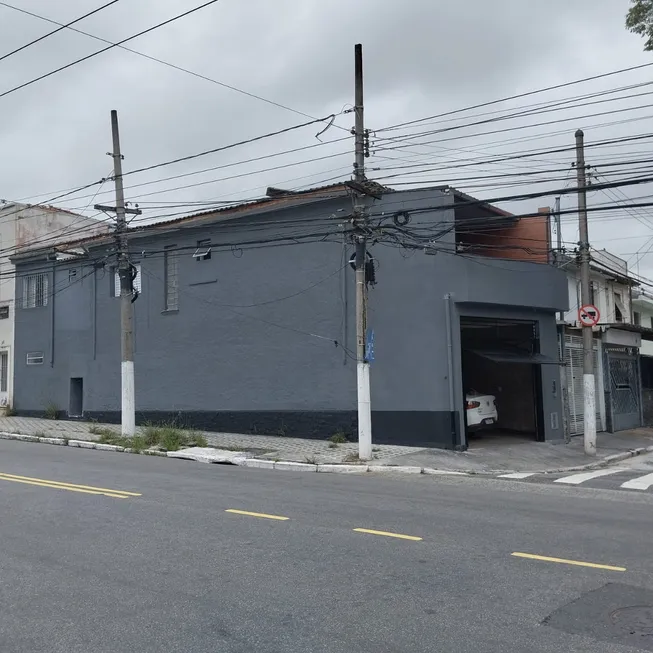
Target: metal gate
x,y
625,399
574,369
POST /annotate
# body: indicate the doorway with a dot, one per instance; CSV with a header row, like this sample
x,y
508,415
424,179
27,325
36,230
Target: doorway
x,y
501,365
76,403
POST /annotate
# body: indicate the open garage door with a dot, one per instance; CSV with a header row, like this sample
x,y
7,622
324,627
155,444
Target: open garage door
x,y
501,359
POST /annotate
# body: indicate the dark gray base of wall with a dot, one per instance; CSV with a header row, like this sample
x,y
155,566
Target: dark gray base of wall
x,y
410,428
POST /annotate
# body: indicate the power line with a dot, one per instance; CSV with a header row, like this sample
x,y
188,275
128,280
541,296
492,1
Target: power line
x,y
521,95
109,47
45,36
165,63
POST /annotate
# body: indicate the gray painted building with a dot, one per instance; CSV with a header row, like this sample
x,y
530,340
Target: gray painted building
x,y
245,322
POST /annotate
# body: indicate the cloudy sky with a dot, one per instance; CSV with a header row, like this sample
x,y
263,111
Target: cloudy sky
x,y
422,58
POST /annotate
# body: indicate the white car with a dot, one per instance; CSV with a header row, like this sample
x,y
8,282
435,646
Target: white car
x,y
481,410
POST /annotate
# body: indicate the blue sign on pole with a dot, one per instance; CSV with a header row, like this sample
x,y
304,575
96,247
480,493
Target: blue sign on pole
x,y
369,346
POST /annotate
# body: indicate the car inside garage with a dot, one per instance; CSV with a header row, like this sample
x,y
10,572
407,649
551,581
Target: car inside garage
x,y
501,379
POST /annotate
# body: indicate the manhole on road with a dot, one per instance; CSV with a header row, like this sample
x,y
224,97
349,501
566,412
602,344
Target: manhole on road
x,y
634,620
616,613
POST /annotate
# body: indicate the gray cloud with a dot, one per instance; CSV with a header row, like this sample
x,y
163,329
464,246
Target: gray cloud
x,y
421,58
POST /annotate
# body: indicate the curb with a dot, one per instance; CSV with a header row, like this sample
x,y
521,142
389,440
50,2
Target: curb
x,y
334,468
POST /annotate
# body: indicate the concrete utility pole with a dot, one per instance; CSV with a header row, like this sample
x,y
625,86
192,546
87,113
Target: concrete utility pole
x,y
128,403
589,388
558,222
360,221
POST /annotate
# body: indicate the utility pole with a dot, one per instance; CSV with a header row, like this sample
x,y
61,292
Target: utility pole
x,y
558,231
360,222
128,403
564,391
589,388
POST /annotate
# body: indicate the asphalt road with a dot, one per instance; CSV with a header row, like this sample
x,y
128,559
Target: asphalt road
x,y
89,569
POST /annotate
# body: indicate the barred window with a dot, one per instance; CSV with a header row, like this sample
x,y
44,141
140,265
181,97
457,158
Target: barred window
x,y
35,290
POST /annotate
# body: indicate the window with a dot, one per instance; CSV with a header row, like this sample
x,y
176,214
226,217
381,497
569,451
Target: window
x,y
171,273
35,358
137,281
203,251
72,275
4,312
637,318
618,308
35,290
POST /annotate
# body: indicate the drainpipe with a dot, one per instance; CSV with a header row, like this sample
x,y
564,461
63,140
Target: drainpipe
x,y
52,296
450,369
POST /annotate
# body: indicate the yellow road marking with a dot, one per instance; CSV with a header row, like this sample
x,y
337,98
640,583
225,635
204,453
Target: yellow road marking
x,y
257,514
386,534
563,561
61,487
73,487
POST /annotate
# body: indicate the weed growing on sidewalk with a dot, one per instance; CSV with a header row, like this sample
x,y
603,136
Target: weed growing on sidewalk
x,y
10,411
338,438
171,438
351,458
166,436
101,430
107,436
51,411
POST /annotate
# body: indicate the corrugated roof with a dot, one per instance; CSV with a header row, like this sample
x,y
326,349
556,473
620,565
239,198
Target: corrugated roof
x,y
278,198
292,198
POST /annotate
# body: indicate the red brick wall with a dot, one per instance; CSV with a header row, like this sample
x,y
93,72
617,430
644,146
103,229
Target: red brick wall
x,y
527,240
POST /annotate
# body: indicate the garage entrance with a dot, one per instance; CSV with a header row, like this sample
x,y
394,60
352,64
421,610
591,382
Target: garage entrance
x,y
501,359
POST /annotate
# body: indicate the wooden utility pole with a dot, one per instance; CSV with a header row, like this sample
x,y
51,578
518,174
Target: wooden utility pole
x,y
589,387
360,223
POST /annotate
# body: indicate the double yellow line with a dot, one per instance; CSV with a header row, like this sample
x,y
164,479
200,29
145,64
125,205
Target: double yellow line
x,y
71,487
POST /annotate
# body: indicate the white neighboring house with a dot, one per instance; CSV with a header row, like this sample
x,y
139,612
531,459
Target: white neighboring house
x,y
609,289
643,317
22,226
618,397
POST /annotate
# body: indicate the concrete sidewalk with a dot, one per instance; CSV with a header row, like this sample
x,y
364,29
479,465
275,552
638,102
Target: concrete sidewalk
x,y
271,447
510,453
487,454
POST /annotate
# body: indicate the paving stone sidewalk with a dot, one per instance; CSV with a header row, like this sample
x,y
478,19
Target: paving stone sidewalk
x,y
262,446
487,456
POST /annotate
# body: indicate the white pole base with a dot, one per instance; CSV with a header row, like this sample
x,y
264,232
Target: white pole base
x,y
128,406
364,412
589,414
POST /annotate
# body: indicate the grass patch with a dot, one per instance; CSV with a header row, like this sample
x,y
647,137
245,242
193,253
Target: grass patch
x,y
107,436
171,438
332,445
166,436
311,460
101,430
338,438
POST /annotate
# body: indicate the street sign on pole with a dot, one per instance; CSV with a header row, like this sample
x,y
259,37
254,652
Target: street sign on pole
x,y
369,346
589,315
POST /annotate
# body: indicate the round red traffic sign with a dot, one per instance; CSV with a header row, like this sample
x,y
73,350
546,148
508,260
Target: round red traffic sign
x,y
589,315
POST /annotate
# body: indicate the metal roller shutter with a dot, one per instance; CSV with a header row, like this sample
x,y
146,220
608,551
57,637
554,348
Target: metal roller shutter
x,y
574,368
